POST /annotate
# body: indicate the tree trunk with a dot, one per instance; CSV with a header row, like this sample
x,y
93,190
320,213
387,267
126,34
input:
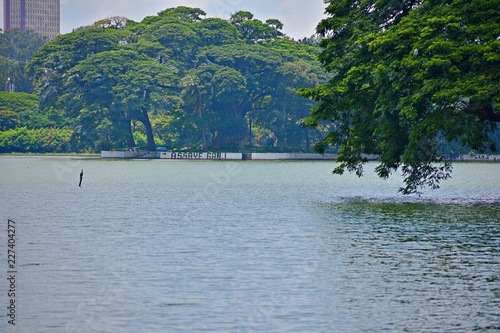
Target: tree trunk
x,y
205,144
108,143
202,125
149,131
250,121
226,140
130,136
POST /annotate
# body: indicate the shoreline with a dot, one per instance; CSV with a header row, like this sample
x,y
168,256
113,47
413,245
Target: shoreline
x,y
197,155
50,155
181,155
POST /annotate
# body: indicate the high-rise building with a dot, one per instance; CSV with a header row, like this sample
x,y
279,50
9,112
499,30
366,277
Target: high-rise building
x,y
42,16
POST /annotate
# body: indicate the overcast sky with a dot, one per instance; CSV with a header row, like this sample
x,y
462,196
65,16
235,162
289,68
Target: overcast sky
x,y
299,17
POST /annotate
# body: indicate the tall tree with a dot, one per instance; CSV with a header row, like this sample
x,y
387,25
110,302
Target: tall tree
x,y
240,17
284,109
407,76
183,13
117,22
253,66
224,90
125,84
122,76
216,31
192,96
20,46
49,65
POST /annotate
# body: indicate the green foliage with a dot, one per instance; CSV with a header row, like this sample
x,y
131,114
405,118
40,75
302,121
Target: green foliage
x,y
116,22
255,31
406,78
22,103
282,118
8,120
41,140
24,108
16,48
23,128
122,82
176,79
241,16
183,13
20,46
216,31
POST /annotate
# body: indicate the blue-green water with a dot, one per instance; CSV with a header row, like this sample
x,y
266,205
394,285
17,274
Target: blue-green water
x,y
200,246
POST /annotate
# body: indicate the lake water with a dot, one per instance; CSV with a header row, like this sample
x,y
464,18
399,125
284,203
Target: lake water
x,y
215,246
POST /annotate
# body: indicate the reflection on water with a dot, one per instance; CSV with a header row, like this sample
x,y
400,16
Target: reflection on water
x,y
162,246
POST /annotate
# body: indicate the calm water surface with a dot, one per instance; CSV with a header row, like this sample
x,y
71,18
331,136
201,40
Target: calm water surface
x,y
180,246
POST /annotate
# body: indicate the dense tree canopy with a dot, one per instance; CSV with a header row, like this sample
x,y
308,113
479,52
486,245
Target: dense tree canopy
x,y
407,77
16,49
177,79
23,128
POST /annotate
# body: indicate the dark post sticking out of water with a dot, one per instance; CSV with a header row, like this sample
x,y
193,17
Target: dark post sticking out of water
x,y
81,177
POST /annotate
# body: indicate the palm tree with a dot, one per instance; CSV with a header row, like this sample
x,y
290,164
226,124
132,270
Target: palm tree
x,y
191,94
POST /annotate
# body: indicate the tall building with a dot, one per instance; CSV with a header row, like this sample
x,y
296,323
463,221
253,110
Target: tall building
x,y
43,16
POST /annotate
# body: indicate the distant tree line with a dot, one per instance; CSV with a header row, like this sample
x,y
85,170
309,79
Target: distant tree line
x,y
23,126
411,81
177,79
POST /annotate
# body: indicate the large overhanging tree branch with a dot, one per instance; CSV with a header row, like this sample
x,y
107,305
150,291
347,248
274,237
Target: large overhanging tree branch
x,y
405,79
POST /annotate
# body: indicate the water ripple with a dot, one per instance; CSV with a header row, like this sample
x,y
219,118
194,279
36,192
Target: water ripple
x,y
248,247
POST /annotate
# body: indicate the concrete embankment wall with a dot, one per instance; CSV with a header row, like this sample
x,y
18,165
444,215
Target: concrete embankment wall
x,y
144,154
118,154
220,155
478,158
288,156
297,156
187,155
129,154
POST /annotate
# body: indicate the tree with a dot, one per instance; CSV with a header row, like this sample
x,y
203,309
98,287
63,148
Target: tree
x,y
123,84
253,67
275,24
183,13
240,17
8,120
284,109
199,79
224,88
255,31
20,46
117,22
49,65
406,77
178,37
192,96
25,107
216,31
16,48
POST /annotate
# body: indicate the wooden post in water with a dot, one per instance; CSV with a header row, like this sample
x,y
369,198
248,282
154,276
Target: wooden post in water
x,y
81,178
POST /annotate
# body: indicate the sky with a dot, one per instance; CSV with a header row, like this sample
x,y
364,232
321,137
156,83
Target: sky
x,y
299,17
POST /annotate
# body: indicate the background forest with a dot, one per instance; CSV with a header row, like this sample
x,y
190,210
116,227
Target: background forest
x,y
414,84
174,80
